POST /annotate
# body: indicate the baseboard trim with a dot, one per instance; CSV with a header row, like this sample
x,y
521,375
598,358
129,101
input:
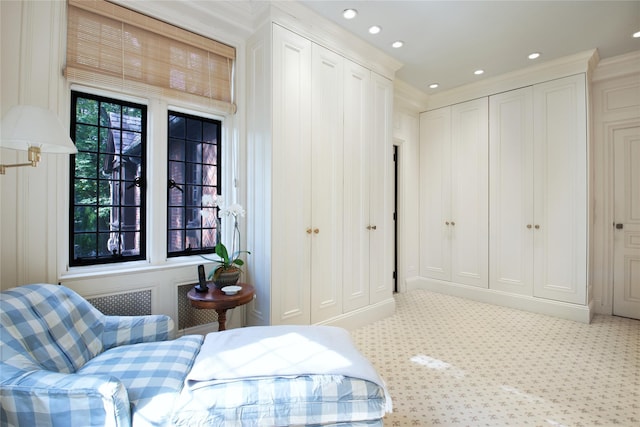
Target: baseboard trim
x,y
363,316
575,312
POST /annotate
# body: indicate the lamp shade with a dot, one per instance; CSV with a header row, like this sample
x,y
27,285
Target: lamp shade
x,y
28,125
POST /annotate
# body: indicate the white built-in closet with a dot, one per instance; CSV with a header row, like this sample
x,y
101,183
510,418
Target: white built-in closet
x,y
319,147
503,198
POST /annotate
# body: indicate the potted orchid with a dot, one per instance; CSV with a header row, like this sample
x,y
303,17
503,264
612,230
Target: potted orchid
x,y
228,269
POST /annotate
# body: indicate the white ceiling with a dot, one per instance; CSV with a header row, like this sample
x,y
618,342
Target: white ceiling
x,y
446,41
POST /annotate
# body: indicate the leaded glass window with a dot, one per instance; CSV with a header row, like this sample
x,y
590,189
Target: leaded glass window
x,y
194,182
108,205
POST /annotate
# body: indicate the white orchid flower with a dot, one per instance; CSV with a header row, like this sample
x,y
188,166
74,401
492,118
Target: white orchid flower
x,y
234,210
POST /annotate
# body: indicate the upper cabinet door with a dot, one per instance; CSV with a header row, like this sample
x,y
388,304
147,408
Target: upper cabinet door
x,y
511,190
291,174
560,211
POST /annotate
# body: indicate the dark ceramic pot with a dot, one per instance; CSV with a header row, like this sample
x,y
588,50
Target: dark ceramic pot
x,y
226,276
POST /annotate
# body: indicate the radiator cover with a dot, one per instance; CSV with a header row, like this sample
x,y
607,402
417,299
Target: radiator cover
x,y
188,317
136,303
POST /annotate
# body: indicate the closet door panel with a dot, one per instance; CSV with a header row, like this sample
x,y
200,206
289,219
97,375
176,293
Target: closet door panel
x,y
560,242
435,194
511,191
357,95
381,243
469,190
326,184
291,171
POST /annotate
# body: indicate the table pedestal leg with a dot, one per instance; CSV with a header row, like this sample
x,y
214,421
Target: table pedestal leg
x,y
222,319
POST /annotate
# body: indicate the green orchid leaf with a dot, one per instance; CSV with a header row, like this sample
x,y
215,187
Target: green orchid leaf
x,y
221,251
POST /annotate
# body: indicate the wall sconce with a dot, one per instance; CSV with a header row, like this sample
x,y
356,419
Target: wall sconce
x,y
35,129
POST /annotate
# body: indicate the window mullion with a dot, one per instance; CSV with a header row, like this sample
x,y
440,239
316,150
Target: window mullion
x,y
157,183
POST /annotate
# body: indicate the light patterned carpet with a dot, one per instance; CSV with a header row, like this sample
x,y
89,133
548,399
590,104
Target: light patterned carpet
x,y
454,362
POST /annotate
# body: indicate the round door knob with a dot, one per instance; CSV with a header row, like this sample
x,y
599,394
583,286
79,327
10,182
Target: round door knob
x,y
529,226
537,227
446,223
373,227
453,223
316,230
308,231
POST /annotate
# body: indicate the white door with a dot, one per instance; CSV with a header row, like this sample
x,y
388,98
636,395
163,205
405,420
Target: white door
x,y
357,116
469,220
291,244
326,184
626,276
435,194
381,191
560,190
511,190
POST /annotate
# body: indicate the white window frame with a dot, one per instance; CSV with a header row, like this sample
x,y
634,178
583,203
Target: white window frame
x,y
156,180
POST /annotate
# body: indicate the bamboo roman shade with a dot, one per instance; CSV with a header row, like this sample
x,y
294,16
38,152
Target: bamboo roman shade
x,y
110,45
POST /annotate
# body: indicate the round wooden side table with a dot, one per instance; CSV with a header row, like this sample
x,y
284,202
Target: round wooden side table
x,y
217,300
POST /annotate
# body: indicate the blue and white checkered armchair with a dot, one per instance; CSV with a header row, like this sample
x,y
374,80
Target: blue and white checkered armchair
x,y
64,363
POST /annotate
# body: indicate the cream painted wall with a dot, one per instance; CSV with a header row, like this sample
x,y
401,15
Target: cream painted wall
x,y
32,200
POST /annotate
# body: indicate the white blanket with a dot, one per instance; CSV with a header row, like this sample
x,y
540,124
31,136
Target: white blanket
x,y
284,351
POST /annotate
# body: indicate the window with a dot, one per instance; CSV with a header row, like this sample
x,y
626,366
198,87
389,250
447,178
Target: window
x,y
194,181
110,47
108,205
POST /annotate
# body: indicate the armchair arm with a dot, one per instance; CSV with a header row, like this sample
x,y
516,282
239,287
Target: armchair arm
x,y
122,330
51,399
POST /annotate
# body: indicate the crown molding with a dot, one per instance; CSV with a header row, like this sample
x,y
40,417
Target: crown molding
x,y
305,22
408,97
582,62
617,66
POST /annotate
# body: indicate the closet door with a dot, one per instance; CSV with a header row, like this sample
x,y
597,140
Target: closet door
x,y
326,224
435,194
454,193
381,244
469,219
357,113
291,174
560,190
511,191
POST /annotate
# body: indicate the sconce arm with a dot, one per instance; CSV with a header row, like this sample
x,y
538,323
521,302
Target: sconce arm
x,y
34,158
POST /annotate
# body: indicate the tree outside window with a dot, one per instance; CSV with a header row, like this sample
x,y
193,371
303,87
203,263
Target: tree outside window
x,y
108,181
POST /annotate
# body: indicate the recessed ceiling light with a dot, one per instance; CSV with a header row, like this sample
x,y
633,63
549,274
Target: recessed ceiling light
x,y
349,13
433,85
534,55
374,29
636,34
397,44
478,72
